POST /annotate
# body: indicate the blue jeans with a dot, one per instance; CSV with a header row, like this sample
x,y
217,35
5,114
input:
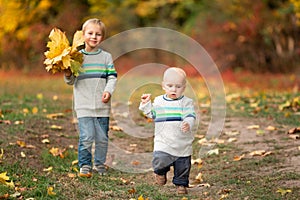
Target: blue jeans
x,y
182,165
92,129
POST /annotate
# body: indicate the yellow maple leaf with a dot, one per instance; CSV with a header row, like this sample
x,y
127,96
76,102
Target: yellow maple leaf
x,y
57,45
21,143
78,40
50,191
5,180
283,191
141,197
34,110
61,55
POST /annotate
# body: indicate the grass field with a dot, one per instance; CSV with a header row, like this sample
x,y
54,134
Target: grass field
x,y
253,158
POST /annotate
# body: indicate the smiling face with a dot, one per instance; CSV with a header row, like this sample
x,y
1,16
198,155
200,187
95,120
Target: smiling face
x,y
93,36
174,83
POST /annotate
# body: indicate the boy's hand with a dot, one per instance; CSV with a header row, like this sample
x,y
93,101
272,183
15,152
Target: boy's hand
x,y
105,97
185,127
145,98
68,72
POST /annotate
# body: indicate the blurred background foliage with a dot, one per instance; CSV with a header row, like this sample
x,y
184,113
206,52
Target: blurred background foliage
x,y
255,35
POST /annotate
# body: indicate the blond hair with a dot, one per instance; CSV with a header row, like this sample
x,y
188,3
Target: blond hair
x,y
97,22
175,71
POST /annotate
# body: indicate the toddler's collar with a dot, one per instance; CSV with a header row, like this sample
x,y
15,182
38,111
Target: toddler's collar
x,y
169,99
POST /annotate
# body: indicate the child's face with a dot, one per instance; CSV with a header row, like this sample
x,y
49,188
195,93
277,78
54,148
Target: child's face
x,y
92,36
174,86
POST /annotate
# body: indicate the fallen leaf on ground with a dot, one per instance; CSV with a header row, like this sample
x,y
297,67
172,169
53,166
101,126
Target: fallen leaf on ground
x,y
199,177
197,162
55,98
260,153
142,198
23,155
218,141
202,141
199,136
55,127
18,122
204,185
4,179
283,191
71,175
75,162
232,140
29,146
271,128
115,128
213,151
294,130
8,122
48,169
135,162
131,191
260,132
253,127
46,141
124,180
224,191
294,136
57,152
55,115
21,143
238,158
50,191
232,133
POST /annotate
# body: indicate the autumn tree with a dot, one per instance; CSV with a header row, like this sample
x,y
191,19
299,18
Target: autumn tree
x,y
25,26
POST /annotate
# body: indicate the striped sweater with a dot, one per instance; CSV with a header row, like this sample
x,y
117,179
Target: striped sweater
x,y
168,115
99,75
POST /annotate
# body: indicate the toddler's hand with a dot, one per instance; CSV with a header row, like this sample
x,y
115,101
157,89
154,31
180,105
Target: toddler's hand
x,y
145,98
185,127
105,97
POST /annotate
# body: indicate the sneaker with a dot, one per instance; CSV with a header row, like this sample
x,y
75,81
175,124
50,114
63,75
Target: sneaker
x,y
160,179
181,190
101,169
85,171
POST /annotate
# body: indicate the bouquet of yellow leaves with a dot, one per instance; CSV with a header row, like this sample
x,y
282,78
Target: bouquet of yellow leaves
x,y
61,55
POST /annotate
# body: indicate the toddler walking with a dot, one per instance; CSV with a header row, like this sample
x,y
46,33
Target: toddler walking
x,y
174,117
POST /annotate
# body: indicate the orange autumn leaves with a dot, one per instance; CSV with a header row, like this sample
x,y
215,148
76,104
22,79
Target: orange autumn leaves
x,y
61,55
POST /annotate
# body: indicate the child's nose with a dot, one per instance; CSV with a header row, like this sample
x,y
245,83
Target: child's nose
x,y
173,88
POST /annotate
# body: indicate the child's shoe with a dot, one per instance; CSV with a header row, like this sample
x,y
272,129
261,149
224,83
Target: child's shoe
x,y
181,189
85,171
160,179
101,169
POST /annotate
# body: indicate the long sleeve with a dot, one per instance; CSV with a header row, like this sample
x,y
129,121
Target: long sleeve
x,y
189,115
146,109
111,75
